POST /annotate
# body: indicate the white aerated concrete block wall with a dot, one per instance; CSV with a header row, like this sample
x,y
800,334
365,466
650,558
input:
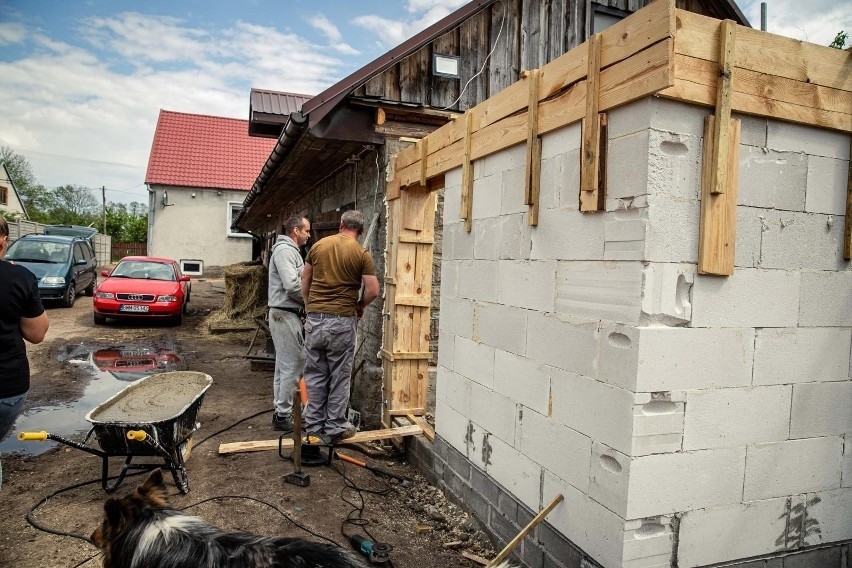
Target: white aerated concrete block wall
x,y
680,415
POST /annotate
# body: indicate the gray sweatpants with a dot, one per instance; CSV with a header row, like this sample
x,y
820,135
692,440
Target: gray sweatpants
x,y
330,349
286,330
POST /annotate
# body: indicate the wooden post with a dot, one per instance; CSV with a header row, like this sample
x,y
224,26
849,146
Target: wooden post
x,y
467,175
525,531
424,154
590,156
727,44
532,131
718,222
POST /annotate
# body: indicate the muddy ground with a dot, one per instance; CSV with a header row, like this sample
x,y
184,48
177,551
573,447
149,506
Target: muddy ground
x,y
67,382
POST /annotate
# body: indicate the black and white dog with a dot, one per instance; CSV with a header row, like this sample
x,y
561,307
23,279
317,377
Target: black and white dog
x,y
141,531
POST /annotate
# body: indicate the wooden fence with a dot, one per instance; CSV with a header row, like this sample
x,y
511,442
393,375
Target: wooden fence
x,y
120,250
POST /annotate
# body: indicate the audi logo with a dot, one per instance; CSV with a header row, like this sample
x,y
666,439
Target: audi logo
x,y
135,297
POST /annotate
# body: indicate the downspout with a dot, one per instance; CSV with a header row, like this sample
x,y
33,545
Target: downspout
x,y
152,197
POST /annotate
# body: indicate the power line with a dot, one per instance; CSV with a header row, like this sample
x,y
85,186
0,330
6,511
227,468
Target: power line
x,y
59,158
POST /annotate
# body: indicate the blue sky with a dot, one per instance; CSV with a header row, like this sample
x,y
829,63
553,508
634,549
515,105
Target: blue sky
x,y
83,81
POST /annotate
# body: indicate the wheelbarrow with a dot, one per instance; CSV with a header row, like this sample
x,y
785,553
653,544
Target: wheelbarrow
x,y
154,416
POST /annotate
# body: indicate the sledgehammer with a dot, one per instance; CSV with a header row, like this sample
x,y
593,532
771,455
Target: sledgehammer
x,y
403,480
297,477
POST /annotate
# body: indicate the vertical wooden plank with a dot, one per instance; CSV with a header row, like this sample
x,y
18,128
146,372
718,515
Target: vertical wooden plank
x,y
445,90
536,183
532,130
411,78
424,158
847,241
466,208
727,36
375,86
718,220
589,166
575,32
530,35
504,65
474,45
557,27
391,83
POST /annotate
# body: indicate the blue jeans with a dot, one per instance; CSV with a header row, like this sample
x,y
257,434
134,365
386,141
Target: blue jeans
x,y
330,350
10,408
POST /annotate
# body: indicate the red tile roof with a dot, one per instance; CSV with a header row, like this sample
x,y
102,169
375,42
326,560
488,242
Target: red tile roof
x,y
195,150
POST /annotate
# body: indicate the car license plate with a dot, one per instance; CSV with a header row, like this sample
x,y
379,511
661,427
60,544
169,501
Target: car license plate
x,y
132,308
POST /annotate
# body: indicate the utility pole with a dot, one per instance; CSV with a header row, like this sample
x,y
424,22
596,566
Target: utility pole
x,y
103,198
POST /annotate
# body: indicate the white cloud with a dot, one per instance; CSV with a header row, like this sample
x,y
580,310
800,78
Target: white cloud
x,y
335,38
11,33
390,32
816,22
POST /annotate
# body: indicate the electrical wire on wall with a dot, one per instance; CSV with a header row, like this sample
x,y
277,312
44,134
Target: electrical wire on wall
x,y
484,63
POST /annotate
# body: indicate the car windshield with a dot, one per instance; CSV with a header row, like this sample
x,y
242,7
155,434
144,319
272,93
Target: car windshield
x,y
39,251
144,269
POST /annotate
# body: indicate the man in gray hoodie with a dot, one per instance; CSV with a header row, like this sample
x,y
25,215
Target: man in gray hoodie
x,y
286,307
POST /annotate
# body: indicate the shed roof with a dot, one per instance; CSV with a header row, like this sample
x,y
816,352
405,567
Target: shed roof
x,y
195,150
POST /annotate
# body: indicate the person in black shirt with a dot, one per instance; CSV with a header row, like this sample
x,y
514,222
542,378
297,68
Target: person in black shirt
x,y
22,317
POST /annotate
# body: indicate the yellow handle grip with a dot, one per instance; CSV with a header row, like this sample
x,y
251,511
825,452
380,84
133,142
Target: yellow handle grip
x,y
32,436
137,435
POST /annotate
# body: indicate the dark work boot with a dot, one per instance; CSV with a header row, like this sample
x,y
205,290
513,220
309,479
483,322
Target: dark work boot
x,y
282,423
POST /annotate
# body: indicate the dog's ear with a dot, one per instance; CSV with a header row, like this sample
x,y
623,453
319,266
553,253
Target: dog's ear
x,y
153,489
115,511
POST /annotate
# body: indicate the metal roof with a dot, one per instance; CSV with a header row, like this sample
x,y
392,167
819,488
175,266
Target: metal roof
x,y
275,102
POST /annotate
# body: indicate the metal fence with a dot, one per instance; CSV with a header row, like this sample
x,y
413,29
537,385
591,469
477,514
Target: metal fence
x,y
101,243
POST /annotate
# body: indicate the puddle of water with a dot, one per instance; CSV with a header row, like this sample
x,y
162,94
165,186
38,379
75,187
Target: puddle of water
x,y
110,369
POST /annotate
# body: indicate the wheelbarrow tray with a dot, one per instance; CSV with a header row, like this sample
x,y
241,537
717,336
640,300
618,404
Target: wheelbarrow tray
x,y
164,405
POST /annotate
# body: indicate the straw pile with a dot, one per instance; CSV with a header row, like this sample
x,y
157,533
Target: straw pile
x,y
245,297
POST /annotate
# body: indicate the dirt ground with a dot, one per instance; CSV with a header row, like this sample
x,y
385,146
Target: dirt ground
x,y
417,520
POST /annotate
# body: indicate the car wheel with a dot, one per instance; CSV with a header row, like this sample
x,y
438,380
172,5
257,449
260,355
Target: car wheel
x,y
70,296
99,319
90,290
186,307
178,319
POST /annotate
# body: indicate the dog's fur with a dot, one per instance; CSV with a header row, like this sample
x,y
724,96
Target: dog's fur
x,y
141,530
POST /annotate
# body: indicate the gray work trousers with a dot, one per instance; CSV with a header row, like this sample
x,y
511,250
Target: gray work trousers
x,y
286,330
330,349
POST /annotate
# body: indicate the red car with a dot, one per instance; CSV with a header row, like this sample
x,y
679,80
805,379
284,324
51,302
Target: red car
x,y
142,287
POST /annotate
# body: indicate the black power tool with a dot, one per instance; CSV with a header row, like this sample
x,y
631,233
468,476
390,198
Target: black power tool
x,y
376,552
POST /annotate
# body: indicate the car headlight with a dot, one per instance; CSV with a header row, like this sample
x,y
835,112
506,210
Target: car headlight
x,y
53,280
167,298
105,295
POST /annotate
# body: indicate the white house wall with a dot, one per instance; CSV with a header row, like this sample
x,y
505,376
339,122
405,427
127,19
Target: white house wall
x,y
586,357
196,227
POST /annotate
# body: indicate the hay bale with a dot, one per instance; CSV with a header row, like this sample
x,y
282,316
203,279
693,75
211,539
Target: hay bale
x,y
245,297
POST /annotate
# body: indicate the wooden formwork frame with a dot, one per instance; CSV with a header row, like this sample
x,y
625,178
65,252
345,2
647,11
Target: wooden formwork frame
x,y
658,51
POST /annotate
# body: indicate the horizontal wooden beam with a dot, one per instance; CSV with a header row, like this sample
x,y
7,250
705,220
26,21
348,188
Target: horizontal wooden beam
x,y
415,240
402,355
287,443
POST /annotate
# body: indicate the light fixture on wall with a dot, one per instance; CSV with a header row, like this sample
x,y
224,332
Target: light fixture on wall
x,y
220,192
193,195
165,201
445,66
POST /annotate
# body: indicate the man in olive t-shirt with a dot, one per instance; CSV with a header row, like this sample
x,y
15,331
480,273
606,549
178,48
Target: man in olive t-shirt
x,y
332,276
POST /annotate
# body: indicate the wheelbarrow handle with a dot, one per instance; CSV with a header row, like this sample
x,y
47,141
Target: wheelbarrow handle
x,y
138,435
32,436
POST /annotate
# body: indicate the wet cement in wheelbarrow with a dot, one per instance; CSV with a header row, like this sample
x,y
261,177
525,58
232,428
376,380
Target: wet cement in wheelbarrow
x,y
157,398
102,370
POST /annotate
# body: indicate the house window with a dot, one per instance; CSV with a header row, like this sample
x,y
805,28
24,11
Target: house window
x,y
4,196
234,208
192,267
604,16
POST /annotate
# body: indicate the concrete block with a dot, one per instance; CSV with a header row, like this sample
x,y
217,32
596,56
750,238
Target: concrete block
x,y
558,174
452,204
504,160
499,237
561,140
657,423
624,235
679,358
522,380
495,413
592,527
446,347
731,532
527,284
750,227
821,409
449,278
452,426
608,291
618,356
826,191
802,241
829,517
846,467
674,165
657,482
749,298
648,543
474,361
772,179
736,417
672,230
454,390
517,473
564,345
666,293
752,129
458,242
456,316
609,478
559,449
478,280
453,177
826,299
512,195
501,326
486,196
627,163
801,355
659,114
600,411
795,466
567,235
808,139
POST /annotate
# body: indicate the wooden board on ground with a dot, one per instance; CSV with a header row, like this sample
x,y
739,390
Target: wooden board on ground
x,y
369,436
